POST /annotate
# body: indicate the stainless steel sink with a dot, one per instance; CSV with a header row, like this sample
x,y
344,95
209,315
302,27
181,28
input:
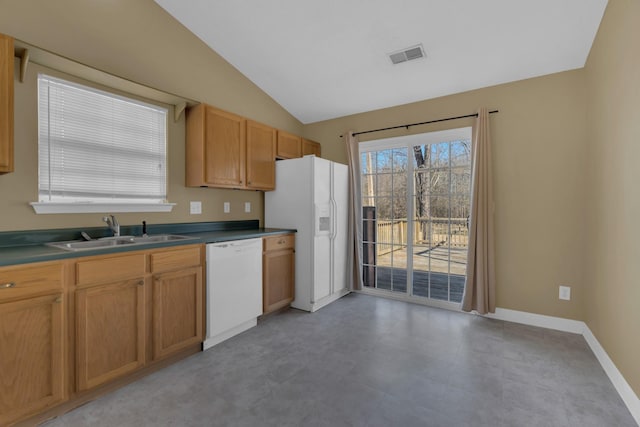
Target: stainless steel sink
x,y
159,238
111,242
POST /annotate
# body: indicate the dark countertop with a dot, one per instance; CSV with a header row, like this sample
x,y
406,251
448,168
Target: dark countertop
x,y
225,236
23,247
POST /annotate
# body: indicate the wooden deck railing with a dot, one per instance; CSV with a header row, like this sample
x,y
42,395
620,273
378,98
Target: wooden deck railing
x,y
392,234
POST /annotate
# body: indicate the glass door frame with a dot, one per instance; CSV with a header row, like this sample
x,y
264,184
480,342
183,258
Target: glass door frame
x,y
408,142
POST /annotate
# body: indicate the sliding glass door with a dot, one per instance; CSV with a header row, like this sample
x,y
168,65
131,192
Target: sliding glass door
x,y
416,198
385,184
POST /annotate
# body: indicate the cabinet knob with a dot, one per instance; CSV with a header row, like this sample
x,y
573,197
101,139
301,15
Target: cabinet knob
x,y
281,242
58,300
8,285
141,283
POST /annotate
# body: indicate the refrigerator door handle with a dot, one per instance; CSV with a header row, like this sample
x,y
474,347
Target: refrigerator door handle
x,y
334,213
334,206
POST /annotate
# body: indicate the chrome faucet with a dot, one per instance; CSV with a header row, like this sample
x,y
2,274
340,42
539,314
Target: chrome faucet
x,y
113,224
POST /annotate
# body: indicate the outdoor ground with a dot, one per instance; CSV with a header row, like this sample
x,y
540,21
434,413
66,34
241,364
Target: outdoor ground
x,y
433,275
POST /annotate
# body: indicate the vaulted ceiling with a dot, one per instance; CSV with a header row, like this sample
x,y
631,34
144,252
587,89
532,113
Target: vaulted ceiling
x,y
327,59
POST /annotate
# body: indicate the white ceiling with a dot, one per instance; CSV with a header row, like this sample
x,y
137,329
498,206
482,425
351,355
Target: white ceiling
x,y
327,59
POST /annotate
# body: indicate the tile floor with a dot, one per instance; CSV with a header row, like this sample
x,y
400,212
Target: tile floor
x,y
366,361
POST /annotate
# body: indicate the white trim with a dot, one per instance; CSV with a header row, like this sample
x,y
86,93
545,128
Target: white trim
x,y
433,137
61,208
621,385
549,322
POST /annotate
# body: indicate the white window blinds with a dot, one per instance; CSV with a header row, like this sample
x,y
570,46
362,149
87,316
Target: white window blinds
x,y
98,147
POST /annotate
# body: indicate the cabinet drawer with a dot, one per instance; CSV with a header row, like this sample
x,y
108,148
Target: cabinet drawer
x,y
283,241
110,269
16,282
173,260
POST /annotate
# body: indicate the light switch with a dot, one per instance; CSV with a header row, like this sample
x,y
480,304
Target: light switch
x,y
196,208
247,207
227,207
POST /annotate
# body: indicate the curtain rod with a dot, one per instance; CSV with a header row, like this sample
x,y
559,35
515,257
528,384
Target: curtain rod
x,y
421,123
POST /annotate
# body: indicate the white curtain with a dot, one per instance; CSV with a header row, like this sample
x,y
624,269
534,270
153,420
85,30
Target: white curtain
x,y
354,254
479,292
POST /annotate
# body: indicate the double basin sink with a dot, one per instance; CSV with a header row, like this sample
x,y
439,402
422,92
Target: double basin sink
x,y
111,242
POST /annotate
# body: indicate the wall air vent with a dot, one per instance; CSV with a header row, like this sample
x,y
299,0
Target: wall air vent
x,y
408,54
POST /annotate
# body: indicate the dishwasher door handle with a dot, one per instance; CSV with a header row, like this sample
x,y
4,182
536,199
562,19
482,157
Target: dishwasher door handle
x,y
238,243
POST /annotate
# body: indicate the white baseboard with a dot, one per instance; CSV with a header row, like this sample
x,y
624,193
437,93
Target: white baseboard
x,y
577,327
622,386
549,322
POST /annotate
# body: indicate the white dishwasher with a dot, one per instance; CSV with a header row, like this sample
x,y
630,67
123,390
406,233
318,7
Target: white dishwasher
x,y
234,288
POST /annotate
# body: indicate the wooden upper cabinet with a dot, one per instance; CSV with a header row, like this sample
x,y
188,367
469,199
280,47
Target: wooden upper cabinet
x,y
310,147
6,104
289,146
261,148
215,150
225,150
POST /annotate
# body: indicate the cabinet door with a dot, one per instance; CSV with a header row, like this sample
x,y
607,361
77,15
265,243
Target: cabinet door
x,y
32,350
224,154
278,272
177,311
6,104
261,156
289,146
310,147
110,331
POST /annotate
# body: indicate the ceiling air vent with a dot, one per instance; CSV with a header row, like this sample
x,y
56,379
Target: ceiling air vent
x,y
409,54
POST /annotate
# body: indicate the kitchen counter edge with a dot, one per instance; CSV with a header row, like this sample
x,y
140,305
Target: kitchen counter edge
x,y
27,254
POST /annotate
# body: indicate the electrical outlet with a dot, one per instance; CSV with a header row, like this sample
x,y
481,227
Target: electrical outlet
x,y
227,207
565,293
195,208
247,207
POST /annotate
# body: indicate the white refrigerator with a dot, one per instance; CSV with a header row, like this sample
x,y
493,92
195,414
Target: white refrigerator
x,y
311,196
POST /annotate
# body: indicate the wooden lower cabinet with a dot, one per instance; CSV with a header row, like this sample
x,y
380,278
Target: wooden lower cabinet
x,y
278,270
177,311
33,339
32,349
110,332
70,330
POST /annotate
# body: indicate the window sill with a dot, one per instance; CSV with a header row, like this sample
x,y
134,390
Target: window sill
x,y
61,208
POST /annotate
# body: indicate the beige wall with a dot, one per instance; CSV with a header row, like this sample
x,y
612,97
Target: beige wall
x,y
138,41
564,144
613,267
566,150
539,156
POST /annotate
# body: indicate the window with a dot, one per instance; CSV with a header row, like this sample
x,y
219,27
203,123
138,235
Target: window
x,y
415,209
99,151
